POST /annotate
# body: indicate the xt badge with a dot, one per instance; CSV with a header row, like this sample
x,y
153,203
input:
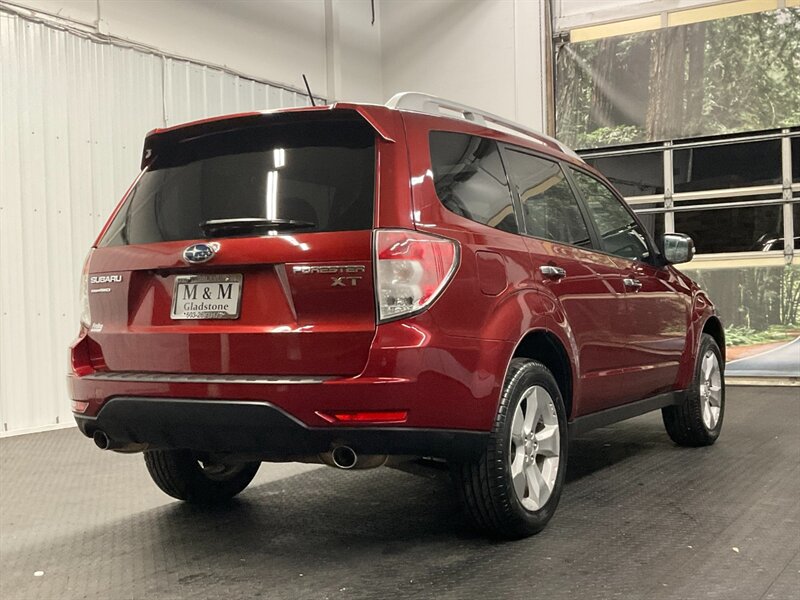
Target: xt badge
x,y
342,281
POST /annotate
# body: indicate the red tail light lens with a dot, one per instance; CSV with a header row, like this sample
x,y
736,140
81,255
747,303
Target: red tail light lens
x,y
412,269
372,416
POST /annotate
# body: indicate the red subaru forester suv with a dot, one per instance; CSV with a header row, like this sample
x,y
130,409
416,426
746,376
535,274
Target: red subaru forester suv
x,y
362,285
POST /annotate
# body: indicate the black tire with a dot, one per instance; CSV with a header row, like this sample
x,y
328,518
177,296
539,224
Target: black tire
x,y
180,474
485,486
685,423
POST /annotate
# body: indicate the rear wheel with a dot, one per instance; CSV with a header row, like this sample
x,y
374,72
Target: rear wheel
x,y
513,489
183,475
698,420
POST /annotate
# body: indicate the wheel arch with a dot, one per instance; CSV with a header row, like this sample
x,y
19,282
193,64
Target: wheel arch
x,y
713,327
544,346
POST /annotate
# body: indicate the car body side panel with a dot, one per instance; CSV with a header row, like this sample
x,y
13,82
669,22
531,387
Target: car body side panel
x,y
589,302
702,310
658,319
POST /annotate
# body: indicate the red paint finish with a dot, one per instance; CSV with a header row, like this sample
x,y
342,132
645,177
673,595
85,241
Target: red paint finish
x,y
440,381
491,272
293,322
441,368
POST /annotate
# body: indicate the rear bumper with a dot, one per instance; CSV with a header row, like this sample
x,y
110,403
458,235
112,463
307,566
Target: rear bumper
x,y
446,387
441,382
262,429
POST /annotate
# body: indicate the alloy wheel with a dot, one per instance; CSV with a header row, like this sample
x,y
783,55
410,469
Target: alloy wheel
x,y
534,448
710,389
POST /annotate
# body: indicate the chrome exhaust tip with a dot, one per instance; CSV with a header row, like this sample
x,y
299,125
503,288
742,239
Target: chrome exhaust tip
x,y
101,440
344,457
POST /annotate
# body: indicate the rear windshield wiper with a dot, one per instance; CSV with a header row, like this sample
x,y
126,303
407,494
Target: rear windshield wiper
x,y
246,224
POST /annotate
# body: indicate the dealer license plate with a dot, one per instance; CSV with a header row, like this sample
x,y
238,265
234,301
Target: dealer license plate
x,y
206,296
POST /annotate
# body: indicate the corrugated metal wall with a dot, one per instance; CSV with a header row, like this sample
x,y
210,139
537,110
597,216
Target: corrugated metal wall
x,y
73,114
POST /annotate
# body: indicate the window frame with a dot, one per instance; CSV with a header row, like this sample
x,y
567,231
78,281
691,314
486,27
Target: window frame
x,y
505,148
656,258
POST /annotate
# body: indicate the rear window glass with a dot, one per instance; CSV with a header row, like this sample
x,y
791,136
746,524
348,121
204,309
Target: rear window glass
x,y
470,179
318,173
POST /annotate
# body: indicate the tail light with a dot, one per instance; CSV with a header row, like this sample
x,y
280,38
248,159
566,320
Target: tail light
x,y
83,294
412,269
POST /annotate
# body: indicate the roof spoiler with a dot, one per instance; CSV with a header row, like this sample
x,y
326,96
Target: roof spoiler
x,y
155,140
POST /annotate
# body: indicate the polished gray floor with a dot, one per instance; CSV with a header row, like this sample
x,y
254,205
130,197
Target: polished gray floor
x,y
640,518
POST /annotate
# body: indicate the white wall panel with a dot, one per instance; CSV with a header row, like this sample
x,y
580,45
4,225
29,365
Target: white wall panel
x,y
486,53
73,114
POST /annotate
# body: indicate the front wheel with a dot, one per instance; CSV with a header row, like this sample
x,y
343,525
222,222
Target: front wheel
x,y
513,489
698,420
185,476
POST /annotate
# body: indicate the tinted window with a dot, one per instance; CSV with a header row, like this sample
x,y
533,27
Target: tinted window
x,y
620,234
653,222
470,180
749,228
548,204
727,166
633,174
317,172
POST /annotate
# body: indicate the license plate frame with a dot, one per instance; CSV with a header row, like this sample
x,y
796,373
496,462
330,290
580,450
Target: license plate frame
x,y
215,306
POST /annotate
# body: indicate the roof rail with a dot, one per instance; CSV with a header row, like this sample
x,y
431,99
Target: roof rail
x,y
433,105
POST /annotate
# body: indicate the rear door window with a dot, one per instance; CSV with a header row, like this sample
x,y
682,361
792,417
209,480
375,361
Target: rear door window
x,y
549,206
470,180
320,173
619,232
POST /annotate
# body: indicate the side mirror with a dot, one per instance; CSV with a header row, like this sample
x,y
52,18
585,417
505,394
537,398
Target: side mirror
x,y
677,248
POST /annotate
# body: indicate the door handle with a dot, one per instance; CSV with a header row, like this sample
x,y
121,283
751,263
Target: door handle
x,y
552,272
632,283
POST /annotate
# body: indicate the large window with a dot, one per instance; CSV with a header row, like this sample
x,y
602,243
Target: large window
x,y
727,192
750,228
470,180
548,204
720,76
620,234
637,174
727,166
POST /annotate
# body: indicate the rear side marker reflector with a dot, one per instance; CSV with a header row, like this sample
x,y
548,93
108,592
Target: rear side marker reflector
x,y
412,270
79,407
385,416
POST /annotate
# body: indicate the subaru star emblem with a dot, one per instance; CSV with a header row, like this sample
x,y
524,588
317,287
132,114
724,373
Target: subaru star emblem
x,y
200,253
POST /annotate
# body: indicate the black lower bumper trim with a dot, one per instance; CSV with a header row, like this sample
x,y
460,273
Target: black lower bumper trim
x,y
260,428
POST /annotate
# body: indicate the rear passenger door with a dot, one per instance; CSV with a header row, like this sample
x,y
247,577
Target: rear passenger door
x,y
657,313
587,285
